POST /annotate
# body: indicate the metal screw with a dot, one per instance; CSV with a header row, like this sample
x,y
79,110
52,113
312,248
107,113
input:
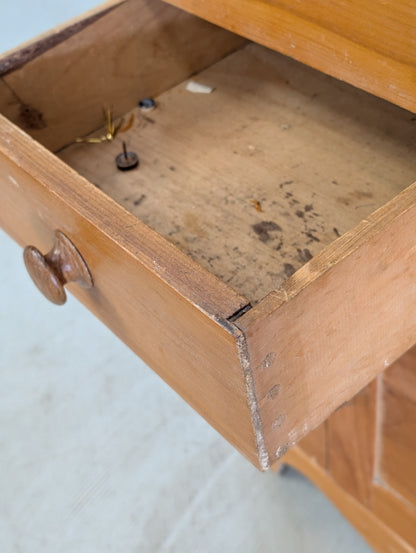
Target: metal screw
x,y
127,160
147,104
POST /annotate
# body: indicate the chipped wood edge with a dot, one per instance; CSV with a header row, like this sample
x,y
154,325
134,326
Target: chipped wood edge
x,y
20,56
243,353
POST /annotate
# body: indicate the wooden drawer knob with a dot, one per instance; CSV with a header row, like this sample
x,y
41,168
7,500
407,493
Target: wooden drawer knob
x,y
63,264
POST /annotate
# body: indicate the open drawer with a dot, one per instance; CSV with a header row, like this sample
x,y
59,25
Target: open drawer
x,y
262,257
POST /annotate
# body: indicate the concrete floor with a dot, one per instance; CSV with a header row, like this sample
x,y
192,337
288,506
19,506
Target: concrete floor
x,y
97,454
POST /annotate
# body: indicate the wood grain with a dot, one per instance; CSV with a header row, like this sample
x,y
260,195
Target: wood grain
x,y
402,375
352,444
377,532
341,319
398,462
316,444
137,48
318,157
169,310
368,44
394,511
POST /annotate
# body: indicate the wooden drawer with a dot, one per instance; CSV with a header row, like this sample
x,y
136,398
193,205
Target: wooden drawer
x,y
262,257
370,44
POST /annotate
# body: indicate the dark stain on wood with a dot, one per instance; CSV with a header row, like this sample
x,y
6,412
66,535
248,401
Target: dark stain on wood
x,y
139,200
304,255
279,246
30,117
264,228
285,183
312,237
289,270
361,195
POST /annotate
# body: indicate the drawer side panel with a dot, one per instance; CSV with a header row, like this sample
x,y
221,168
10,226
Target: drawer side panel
x,y
343,318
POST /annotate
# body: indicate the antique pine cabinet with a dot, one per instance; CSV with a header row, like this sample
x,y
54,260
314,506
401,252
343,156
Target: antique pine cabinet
x,y
262,256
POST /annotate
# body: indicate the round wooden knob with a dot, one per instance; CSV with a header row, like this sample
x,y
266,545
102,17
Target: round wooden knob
x,y
63,264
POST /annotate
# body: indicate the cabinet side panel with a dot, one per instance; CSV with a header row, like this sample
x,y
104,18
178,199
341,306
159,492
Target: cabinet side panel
x,y
396,513
378,532
398,461
352,442
315,445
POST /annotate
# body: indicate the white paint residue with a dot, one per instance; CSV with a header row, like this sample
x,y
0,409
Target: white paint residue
x,y
386,363
13,181
199,88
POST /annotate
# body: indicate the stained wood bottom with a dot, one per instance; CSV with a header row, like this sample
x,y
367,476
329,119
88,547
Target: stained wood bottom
x,y
255,178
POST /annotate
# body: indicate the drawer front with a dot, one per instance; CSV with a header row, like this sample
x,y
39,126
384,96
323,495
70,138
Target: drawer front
x,y
165,307
368,44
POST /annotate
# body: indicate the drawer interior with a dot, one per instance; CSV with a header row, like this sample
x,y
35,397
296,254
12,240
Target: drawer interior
x,y
257,176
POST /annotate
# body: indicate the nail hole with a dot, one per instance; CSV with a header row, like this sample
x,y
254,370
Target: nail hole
x,y
277,423
274,391
268,360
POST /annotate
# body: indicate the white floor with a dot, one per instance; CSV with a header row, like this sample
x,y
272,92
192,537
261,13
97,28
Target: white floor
x,y
98,455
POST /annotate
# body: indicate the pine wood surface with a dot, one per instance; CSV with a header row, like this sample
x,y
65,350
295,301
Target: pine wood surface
x,y
137,48
341,319
315,445
352,444
368,455
302,160
317,156
397,466
169,310
392,508
368,44
378,533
